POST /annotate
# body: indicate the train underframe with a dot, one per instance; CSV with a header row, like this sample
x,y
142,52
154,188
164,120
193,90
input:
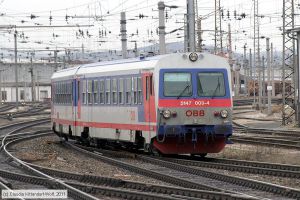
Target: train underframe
x,y
194,140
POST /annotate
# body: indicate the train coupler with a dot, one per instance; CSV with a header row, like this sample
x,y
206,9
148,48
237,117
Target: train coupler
x,y
194,137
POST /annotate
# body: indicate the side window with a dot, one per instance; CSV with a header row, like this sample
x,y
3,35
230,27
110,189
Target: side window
x,y
151,85
83,92
78,90
128,90
90,92
134,90
54,92
121,91
107,91
139,90
114,91
62,93
58,93
71,92
96,97
102,100
67,93
147,88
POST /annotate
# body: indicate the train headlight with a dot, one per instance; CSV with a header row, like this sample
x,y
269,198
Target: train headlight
x,y
224,113
193,57
167,114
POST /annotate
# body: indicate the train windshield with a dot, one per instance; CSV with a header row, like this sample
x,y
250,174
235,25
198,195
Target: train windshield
x,y
177,84
211,84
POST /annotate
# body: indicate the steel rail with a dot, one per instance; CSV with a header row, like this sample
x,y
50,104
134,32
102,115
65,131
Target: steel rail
x,y
247,163
273,132
260,185
214,164
113,191
98,180
271,143
75,193
160,176
124,187
5,187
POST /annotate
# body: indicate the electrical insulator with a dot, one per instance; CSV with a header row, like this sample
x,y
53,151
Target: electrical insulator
x,y
67,17
50,18
32,16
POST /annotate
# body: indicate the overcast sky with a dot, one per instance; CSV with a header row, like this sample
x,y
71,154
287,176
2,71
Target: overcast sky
x,y
104,15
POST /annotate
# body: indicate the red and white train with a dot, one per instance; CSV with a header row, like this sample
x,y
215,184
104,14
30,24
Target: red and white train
x,y
172,104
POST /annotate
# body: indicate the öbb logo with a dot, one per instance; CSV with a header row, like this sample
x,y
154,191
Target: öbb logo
x,y
194,113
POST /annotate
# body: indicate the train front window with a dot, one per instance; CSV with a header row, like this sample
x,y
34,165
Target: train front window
x,y
211,84
177,84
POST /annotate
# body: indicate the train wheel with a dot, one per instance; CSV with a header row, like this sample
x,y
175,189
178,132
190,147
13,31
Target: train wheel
x,y
66,138
85,137
202,155
154,151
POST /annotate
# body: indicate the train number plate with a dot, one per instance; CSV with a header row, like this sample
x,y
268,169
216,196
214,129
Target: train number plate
x,y
194,103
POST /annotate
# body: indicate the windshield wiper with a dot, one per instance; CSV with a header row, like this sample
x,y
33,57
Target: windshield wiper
x,y
186,87
218,86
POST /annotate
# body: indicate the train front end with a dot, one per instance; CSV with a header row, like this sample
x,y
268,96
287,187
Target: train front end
x,y
194,106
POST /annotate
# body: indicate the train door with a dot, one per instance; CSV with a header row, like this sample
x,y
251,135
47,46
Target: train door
x,y
76,103
149,100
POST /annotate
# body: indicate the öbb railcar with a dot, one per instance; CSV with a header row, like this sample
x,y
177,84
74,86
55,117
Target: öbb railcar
x,y
172,104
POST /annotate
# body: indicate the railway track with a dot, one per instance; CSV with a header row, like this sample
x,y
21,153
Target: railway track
x,y
272,169
8,171
6,107
137,186
33,110
182,180
119,188
275,138
245,102
186,176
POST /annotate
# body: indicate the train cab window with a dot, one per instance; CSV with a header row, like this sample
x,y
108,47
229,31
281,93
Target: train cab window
x,y
95,90
101,91
139,90
128,91
177,84
107,91
211,84
114,91
84,92
121,91
90,92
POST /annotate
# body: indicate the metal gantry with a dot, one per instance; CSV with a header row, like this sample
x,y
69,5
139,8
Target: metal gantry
x,y
288,64
218,28
257,59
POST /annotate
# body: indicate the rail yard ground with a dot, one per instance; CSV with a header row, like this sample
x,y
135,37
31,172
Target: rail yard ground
x,y
50,152
256,119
